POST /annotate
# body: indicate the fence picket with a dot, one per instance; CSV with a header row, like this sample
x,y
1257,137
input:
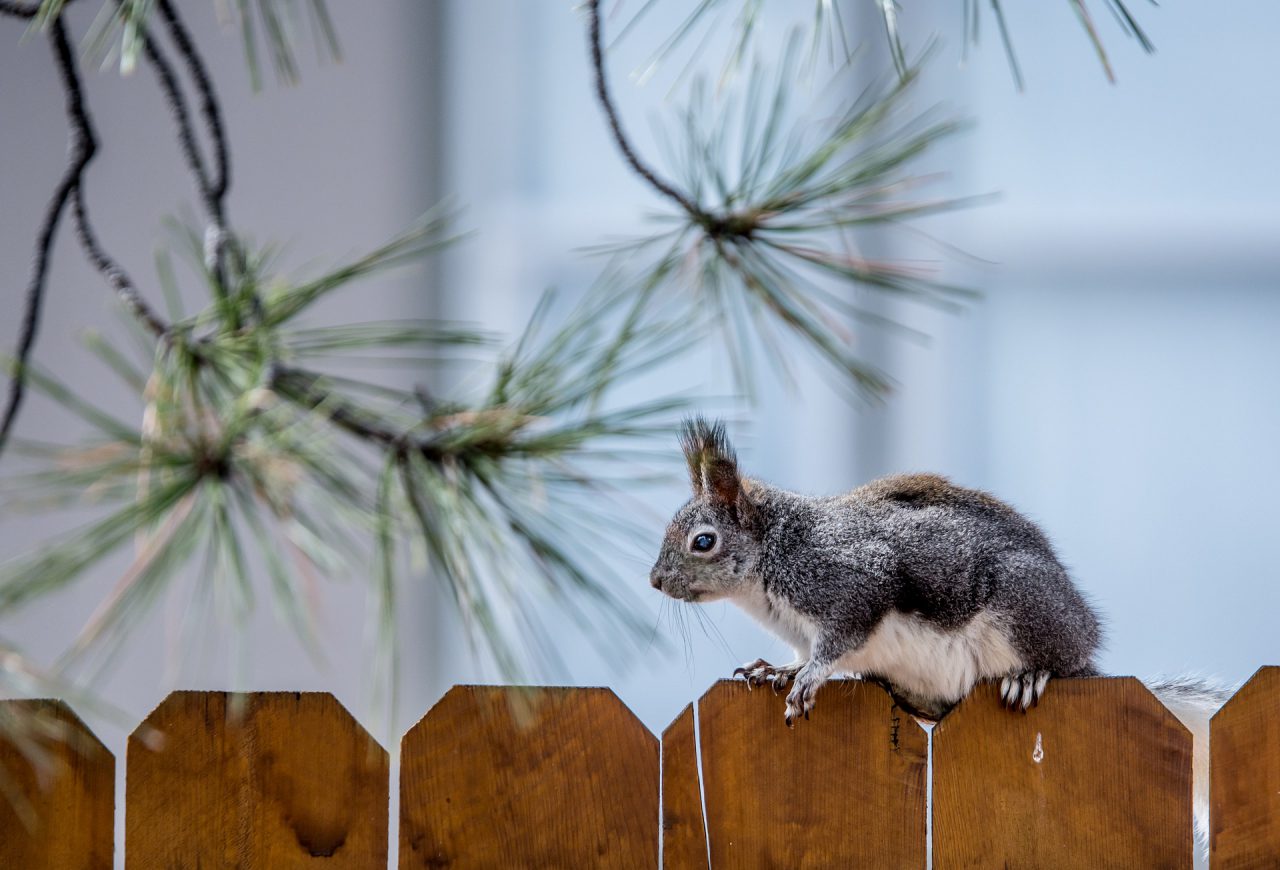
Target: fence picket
x,y
507,777
846,789
1244,781
267,779
59,814
684,839
1098,775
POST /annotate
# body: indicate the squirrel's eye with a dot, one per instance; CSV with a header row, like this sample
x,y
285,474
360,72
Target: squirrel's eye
x,y
703,542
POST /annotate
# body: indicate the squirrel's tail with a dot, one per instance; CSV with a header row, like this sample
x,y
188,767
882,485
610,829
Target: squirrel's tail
x,y
1194,700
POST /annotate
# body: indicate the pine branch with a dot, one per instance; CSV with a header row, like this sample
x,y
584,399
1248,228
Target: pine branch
x,y
212,184
83,146
112,271
209,105
780,201
81,150
224,443
245,447
303,388
210,196
78,116
615,124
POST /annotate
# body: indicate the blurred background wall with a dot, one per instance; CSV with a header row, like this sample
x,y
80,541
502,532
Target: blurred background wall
x,y
1119,381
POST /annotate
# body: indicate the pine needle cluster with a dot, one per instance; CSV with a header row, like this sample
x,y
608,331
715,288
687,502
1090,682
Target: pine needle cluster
x,y
772,207
248,459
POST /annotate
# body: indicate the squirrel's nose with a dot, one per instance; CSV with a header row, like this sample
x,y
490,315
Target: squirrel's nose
x,y
655,579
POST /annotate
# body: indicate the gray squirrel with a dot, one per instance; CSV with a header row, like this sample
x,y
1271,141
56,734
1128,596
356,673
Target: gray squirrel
x,y
924,586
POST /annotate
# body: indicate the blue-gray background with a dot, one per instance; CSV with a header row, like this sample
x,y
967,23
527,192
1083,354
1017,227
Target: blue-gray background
x,y
1118,382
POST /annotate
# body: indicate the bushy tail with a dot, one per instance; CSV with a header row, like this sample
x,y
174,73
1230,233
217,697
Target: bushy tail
x,y
1194,700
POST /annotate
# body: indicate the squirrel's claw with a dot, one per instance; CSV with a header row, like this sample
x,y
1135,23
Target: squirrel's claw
x,y
800,700
1023,691
760,672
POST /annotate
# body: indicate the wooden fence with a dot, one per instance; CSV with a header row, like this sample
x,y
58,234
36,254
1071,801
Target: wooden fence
x,y
1097,776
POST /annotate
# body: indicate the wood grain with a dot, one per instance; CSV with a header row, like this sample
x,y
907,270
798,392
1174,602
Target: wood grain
x,y
263,780
843,789
507,777
684,839
1244,782
64,816
1098,775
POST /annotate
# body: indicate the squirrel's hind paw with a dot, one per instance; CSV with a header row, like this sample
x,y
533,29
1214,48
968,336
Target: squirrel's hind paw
x,y
1023,691
760,672
800,700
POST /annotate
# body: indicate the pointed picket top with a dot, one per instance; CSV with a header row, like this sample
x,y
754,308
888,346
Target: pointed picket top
x,y
59,813
845,788
261,779
1098,774
1244,783
499,776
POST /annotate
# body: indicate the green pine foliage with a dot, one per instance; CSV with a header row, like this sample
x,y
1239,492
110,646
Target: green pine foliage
x,y
273,452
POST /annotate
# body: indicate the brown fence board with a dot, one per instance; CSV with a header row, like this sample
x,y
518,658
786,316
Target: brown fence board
x,y
844,789
1098,775
505,777
263,780
1244,782
58,814
684,839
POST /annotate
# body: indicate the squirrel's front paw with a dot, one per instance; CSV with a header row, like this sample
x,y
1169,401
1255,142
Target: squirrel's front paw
x,y
759,672
800,700
1022,691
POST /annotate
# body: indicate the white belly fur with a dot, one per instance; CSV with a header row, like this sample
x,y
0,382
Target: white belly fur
x,y
928,662
914,655
780,618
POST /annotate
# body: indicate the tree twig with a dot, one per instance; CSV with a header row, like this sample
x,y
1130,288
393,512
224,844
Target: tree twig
x,y
220,181
112,271
177,103
82,145
82,126
19,10
212,184
303,388
615,124
81,152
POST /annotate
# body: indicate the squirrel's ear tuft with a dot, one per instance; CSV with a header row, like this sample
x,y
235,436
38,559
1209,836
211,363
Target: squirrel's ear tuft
x,y
713,466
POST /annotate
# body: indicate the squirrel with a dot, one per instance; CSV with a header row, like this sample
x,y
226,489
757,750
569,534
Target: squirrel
x,y
926,587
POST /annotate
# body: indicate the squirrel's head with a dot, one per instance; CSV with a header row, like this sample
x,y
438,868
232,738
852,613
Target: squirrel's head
x,y
713,543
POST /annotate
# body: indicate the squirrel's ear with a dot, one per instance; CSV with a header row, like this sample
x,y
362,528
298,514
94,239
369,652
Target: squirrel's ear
x,y
721,484
713,466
